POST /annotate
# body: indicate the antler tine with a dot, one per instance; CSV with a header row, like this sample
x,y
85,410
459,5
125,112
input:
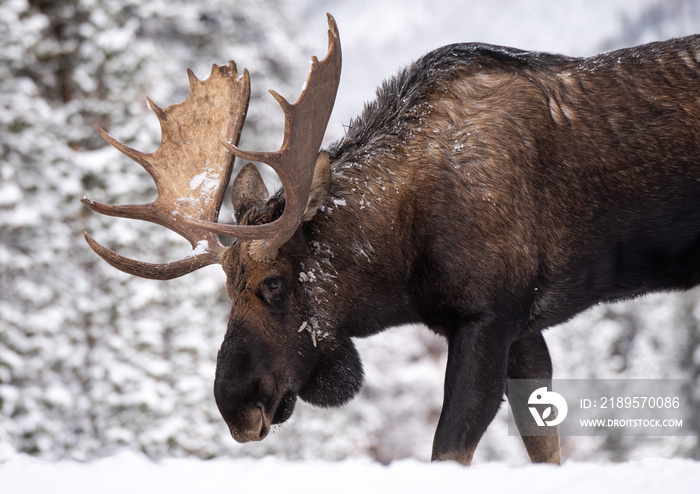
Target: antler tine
x,y
305,125
152,271
132,211
190,169
137,156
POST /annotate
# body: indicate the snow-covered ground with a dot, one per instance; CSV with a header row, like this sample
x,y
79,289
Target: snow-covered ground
x,y
129,472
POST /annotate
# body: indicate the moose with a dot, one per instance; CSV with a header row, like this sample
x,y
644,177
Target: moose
x,y
488,193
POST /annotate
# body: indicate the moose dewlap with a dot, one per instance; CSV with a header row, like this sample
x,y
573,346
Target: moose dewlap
x,y
487,192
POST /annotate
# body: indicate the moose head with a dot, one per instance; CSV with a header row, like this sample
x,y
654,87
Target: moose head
x,y
264,363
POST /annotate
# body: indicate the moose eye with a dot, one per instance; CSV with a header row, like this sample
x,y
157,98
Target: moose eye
x,y
273,290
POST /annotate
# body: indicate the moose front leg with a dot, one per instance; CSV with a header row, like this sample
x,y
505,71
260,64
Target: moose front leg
x,y
529,359
475,382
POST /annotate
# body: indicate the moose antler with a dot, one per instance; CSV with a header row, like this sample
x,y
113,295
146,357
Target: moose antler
x,y
191,170
295,161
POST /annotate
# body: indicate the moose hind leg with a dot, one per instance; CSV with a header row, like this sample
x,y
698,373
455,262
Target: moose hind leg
x,y
529,359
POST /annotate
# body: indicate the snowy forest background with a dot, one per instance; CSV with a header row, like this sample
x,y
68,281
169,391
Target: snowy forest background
x,y
93,361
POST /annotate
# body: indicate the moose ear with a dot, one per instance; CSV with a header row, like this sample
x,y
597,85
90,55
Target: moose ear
x,y
248,190
319,186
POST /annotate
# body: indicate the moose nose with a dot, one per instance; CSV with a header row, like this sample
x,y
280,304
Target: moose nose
x,y
255,426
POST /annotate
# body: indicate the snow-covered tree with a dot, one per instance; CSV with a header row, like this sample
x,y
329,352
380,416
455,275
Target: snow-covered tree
x,y
91,359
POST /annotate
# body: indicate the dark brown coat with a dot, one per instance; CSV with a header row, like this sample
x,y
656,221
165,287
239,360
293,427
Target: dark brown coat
x,y
489,193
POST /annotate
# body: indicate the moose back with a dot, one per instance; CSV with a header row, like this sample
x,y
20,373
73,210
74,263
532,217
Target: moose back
x,y
487,192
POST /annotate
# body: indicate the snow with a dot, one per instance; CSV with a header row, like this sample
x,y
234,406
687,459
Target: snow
x,y
199,249
206,182
129,471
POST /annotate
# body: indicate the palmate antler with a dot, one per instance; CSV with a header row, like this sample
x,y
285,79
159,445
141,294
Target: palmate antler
x,y
192,167
295,161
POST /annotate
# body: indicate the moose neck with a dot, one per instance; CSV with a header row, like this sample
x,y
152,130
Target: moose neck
x,y
363,239
358,250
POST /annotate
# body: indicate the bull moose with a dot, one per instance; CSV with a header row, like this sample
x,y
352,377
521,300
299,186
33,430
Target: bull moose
x,y
487,192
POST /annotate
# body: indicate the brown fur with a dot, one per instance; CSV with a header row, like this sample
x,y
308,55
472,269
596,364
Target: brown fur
x,y
488,193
